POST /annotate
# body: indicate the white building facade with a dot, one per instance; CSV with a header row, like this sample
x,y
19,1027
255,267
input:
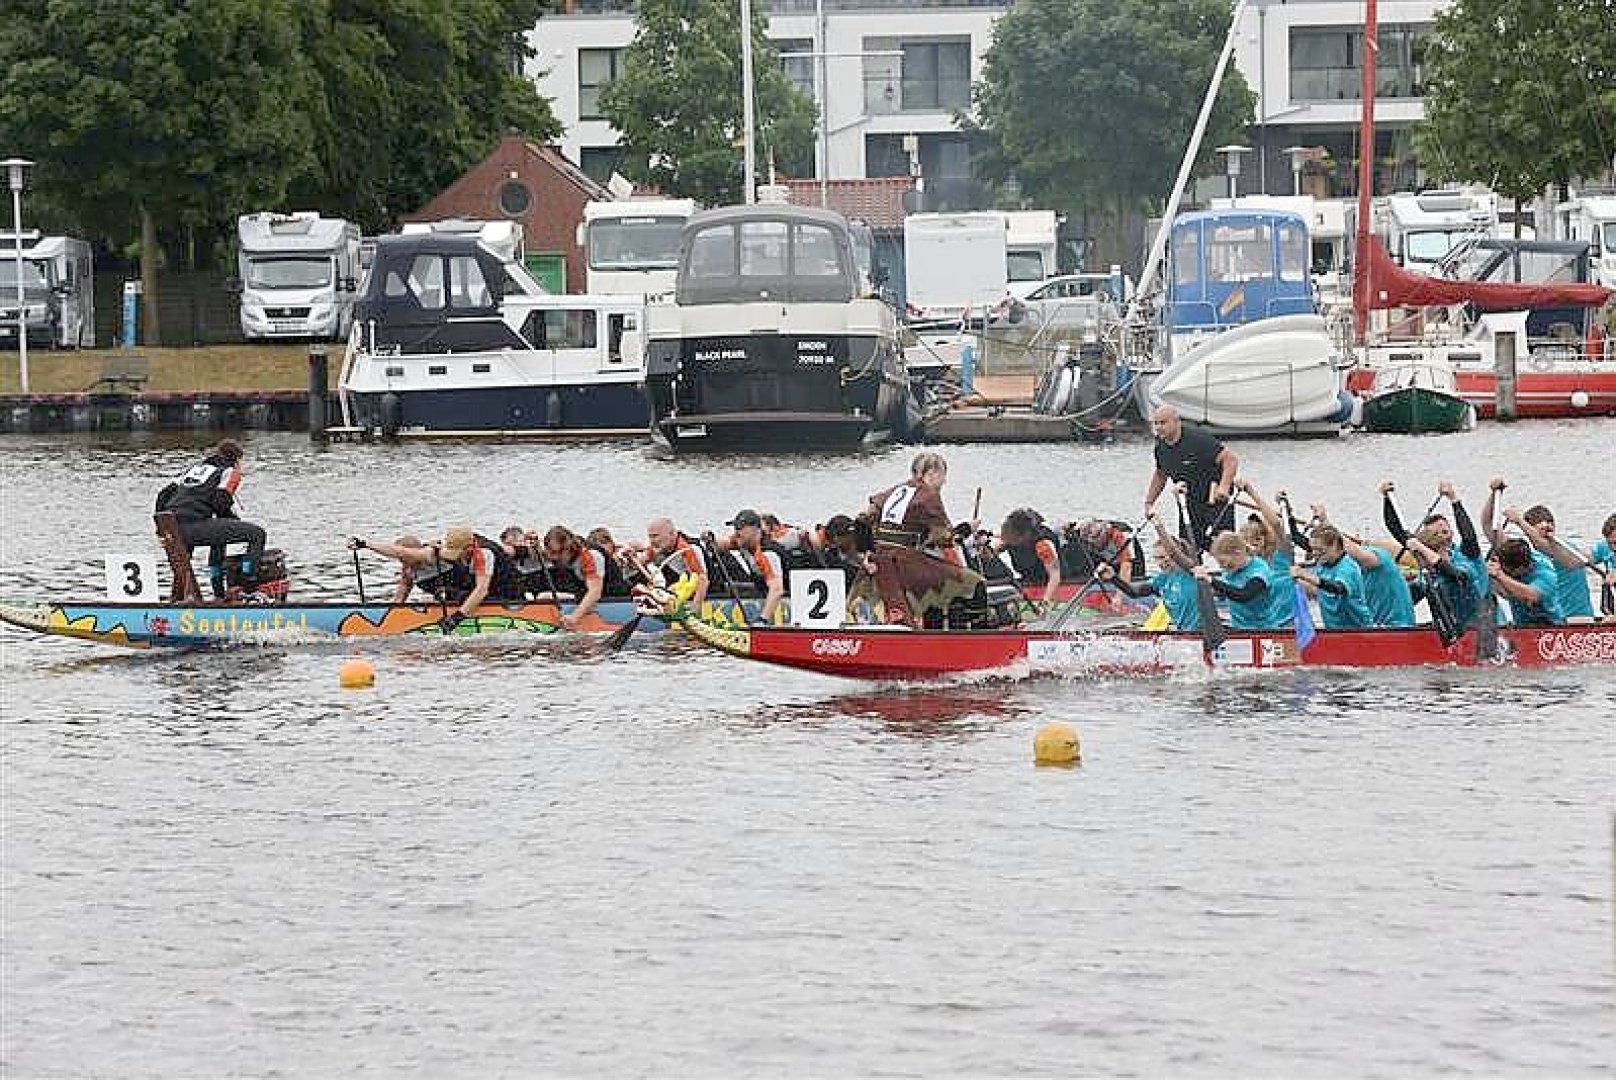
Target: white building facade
x,y
895,71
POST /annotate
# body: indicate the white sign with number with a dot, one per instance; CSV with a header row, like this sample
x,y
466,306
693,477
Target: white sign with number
x,y
132,579
818,599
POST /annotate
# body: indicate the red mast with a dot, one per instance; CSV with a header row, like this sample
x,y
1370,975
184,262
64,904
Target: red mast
x,y
1366,172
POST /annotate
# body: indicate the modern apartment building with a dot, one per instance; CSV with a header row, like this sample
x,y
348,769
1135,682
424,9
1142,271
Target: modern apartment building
x,y
895,71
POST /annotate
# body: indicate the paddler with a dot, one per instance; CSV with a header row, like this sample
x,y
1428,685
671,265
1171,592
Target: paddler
x,y
1335,579
1385,590
1570,567
670,555
1194,458
763,561
203,502
1034,551
581,568
458,570
1256,596
1527,581
1435,534
1172,582
919,570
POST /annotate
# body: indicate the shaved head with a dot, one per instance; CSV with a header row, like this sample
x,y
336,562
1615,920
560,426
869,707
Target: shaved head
x,y
1165,424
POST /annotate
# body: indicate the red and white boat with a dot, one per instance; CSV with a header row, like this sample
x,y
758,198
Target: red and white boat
x,y
885,653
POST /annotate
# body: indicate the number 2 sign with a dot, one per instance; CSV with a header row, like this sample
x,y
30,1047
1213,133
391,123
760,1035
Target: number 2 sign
x,y
818,599
132,579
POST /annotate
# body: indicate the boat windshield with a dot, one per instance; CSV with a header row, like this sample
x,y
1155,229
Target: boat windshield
x,y
637,243
1431,245
734,262
301,272
1241,252
35,277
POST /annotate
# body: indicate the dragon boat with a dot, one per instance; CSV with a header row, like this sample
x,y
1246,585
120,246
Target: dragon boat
x,y
144,626
896,653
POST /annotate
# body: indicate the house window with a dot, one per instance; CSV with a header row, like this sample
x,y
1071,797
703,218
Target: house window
x,y
936,76
795,58
597,69
599,162
1326,63
515,200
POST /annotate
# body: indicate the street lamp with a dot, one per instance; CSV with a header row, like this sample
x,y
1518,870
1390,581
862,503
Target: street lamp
x,y
1299,157
14,167
1231,164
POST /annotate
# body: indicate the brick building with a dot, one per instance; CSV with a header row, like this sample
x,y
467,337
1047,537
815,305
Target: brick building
x,y
535,185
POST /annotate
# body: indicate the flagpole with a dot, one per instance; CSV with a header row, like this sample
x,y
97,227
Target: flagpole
x,y
749,170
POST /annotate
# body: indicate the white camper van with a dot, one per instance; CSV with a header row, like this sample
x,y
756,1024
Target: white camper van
x,y
1029,249
299,274
954,264
1419,229
632,245
58,290
1590,216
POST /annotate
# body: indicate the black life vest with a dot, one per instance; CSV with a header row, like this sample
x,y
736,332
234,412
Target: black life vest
x,y
454,581
196,494
539,577
669,568
1025,557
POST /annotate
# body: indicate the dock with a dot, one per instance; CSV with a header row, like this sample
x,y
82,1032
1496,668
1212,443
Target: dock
x,y
198,410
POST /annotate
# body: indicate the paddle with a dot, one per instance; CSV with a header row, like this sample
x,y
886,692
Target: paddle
x,y
1213,632
715,555
359,575
621,635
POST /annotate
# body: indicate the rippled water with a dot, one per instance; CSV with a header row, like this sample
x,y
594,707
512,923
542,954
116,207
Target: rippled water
x,y
531,859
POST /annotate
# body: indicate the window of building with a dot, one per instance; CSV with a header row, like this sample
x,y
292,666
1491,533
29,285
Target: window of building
x,y
599,162
597,69
795,58
515,199
936,75
1326,63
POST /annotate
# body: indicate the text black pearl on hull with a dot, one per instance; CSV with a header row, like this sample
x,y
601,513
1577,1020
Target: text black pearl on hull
x,y
771,340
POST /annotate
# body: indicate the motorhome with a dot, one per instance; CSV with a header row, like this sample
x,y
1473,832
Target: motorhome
x,y
1591,216
58,290
1419,229
299,274
1029,246
632,245
954,265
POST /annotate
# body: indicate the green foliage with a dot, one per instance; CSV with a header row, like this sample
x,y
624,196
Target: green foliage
x,y
194,111
1521,94
677,102
1090,103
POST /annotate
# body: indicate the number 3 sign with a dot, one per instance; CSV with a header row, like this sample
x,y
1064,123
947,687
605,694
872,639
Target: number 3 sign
x,y
818,599
132,579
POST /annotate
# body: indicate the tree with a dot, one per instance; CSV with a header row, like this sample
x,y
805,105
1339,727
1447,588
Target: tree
x,y
168,119
677,102
1090,103
1521,94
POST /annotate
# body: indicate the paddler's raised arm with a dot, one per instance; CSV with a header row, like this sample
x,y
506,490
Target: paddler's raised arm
x,y
1388,514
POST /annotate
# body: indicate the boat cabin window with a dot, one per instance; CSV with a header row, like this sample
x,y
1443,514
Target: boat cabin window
x,y
736,262
1240,252
463,287
1187,256
1292,252
558,328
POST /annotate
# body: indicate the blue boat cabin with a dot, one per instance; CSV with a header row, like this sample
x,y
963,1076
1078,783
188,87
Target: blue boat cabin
x,y
1231,267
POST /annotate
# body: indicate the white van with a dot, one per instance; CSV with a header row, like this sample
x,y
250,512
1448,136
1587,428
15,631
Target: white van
x,y
58,290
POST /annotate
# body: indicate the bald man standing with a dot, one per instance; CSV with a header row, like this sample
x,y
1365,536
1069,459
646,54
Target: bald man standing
x,y
1197,460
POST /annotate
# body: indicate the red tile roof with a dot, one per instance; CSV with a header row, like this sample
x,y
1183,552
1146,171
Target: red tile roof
x,y
877,201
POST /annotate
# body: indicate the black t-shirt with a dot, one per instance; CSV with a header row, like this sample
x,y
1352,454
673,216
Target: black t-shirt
x,y
1193,460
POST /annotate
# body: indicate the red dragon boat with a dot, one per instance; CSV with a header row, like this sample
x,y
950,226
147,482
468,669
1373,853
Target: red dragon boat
x,y
876,652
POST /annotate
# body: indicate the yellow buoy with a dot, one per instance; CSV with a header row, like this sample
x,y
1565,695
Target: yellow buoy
x,y
1056,744
357,674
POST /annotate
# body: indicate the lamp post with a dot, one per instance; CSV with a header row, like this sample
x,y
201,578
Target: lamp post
x,y
1231,165
1299,156
14,167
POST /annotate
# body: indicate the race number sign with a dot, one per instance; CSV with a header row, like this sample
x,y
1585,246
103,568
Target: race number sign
x,y
818,599
132,579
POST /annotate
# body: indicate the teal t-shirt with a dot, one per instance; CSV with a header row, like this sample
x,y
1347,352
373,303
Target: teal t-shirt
x,y
1386,592
1571,590
1546,612
1177,590
1270,611
1346,612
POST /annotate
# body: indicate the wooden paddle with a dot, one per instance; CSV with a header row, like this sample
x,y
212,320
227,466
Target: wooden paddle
x,y
1213,632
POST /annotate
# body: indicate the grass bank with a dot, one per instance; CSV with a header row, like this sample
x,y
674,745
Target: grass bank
x,y
203,368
